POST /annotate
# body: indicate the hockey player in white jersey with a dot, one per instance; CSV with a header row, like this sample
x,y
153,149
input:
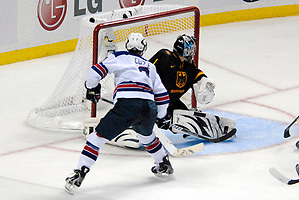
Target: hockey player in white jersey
x,y
139,98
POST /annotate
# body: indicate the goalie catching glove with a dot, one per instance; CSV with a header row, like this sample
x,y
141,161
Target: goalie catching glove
x,y
93,94
204,90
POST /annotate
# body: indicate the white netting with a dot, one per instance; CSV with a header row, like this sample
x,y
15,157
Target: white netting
x,y
67,107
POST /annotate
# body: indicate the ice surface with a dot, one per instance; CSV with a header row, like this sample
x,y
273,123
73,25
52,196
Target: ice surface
x,y
255,67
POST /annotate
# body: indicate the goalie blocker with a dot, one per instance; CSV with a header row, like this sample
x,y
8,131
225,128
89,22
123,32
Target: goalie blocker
x,y
205,126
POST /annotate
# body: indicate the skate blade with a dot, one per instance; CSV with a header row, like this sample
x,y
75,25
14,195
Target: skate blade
x,y
69,188
165,176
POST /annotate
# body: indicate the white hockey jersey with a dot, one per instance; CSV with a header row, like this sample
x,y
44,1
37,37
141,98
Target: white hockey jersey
x,y
135,77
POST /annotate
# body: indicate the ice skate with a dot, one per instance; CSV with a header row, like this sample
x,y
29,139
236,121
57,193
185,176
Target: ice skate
x,y
164,168
74,181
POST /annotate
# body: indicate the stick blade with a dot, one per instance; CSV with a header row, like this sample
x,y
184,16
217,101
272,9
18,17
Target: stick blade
x,y
276,174
287,133
287,130
292,182
189,150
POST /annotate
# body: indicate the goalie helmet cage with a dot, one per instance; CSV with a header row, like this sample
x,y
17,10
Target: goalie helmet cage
x,y
67,107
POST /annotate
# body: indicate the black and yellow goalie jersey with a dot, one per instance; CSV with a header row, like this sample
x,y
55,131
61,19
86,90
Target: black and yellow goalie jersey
x,y
177,76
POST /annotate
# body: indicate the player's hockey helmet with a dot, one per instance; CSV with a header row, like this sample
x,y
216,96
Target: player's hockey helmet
x,y
185,46
136,43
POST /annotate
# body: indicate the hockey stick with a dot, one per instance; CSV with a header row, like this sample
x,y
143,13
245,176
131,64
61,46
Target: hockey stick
x,y
287,130
250,1
107,100
274,172
172,149
215,140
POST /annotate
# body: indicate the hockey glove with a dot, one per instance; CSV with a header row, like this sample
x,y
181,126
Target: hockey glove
x,y
204,90
164,123
94,94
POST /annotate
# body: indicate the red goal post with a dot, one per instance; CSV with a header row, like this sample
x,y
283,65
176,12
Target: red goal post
x,y
145,18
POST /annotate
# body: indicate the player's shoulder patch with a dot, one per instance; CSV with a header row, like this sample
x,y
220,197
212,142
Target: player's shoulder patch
x,y
166,52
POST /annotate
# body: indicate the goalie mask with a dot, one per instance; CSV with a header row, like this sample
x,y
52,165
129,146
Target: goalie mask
x,y
185,46
136,43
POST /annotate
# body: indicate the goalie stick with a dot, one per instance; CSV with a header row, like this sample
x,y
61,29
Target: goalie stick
x,y
276,174
287,130
169,146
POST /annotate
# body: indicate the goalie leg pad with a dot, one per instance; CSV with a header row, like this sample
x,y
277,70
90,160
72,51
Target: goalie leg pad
x,y
128,138
201,124
193,122
226,124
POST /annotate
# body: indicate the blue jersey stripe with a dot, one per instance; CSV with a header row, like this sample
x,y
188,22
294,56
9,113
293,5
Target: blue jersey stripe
x,y
89,155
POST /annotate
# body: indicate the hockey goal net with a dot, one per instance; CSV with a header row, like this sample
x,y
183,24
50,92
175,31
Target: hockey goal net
x,y
67,108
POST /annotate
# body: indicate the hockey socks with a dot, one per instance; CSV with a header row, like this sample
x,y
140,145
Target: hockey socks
x,y
90,151
153,146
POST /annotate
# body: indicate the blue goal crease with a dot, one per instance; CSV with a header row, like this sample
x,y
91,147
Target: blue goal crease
x,y
253,133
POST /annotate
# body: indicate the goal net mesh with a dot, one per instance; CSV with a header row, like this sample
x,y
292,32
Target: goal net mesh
x,y
67,107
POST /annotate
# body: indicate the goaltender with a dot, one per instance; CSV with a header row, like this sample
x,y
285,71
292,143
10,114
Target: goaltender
x,y
179,73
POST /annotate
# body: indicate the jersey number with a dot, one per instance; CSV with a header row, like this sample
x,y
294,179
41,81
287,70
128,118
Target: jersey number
x,y
144,69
